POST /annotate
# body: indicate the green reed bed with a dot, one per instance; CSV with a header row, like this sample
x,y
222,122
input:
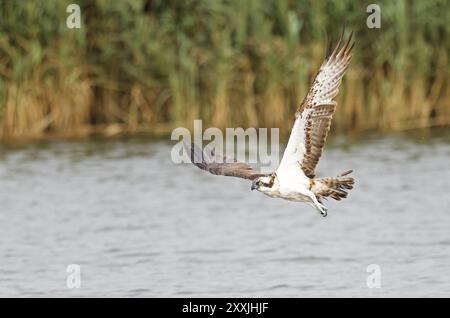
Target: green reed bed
x,y
152,65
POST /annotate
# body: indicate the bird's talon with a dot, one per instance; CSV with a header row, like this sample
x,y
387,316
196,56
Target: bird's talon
x,y
323,210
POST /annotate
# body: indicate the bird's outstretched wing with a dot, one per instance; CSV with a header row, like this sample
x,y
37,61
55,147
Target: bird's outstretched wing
x,y
313,117
223,166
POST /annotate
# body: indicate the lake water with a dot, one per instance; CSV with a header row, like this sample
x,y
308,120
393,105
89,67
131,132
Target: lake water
x,y
138,225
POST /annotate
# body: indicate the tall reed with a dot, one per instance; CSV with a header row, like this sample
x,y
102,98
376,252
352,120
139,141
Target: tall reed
x,y
138,65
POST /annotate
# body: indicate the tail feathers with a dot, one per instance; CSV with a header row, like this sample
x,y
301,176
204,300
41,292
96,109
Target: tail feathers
x,y
334,187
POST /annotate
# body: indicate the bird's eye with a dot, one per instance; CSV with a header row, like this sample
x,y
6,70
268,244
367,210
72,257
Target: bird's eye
x,y
259,183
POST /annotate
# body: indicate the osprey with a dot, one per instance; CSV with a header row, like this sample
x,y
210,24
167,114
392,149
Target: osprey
x,y
294,179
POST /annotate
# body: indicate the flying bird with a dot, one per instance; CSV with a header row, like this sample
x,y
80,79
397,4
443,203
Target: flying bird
x,y
294,179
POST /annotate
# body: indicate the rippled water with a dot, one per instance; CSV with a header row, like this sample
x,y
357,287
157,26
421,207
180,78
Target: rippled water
x,y
138,225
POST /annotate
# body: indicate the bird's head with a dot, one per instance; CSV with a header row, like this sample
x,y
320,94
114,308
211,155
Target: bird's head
x,y
264,183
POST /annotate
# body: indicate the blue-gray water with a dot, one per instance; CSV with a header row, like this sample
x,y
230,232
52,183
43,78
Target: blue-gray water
x,y
138,225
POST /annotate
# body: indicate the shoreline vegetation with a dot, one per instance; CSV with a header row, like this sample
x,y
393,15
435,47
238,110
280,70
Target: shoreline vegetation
x,y
149,66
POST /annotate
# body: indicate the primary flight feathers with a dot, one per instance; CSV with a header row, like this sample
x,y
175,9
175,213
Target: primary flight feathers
x,y
319,106
222,166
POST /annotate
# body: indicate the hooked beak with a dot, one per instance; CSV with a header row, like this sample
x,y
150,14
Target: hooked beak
x,y
254,185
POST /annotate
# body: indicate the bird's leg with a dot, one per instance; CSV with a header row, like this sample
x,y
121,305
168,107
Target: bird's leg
x,y
319,207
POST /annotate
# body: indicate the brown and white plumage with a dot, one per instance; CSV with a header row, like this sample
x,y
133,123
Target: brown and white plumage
x,y
313,117
294,178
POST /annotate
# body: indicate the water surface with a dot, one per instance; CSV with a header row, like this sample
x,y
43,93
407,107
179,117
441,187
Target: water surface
x,y
138,225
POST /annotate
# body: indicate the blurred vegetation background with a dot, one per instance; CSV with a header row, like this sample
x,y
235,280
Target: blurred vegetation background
x,y
151,65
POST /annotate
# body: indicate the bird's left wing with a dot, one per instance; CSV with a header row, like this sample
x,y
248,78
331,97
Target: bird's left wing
x,y
313,118
222,167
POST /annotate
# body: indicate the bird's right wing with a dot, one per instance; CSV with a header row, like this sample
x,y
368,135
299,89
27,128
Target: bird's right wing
x,y
222,167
